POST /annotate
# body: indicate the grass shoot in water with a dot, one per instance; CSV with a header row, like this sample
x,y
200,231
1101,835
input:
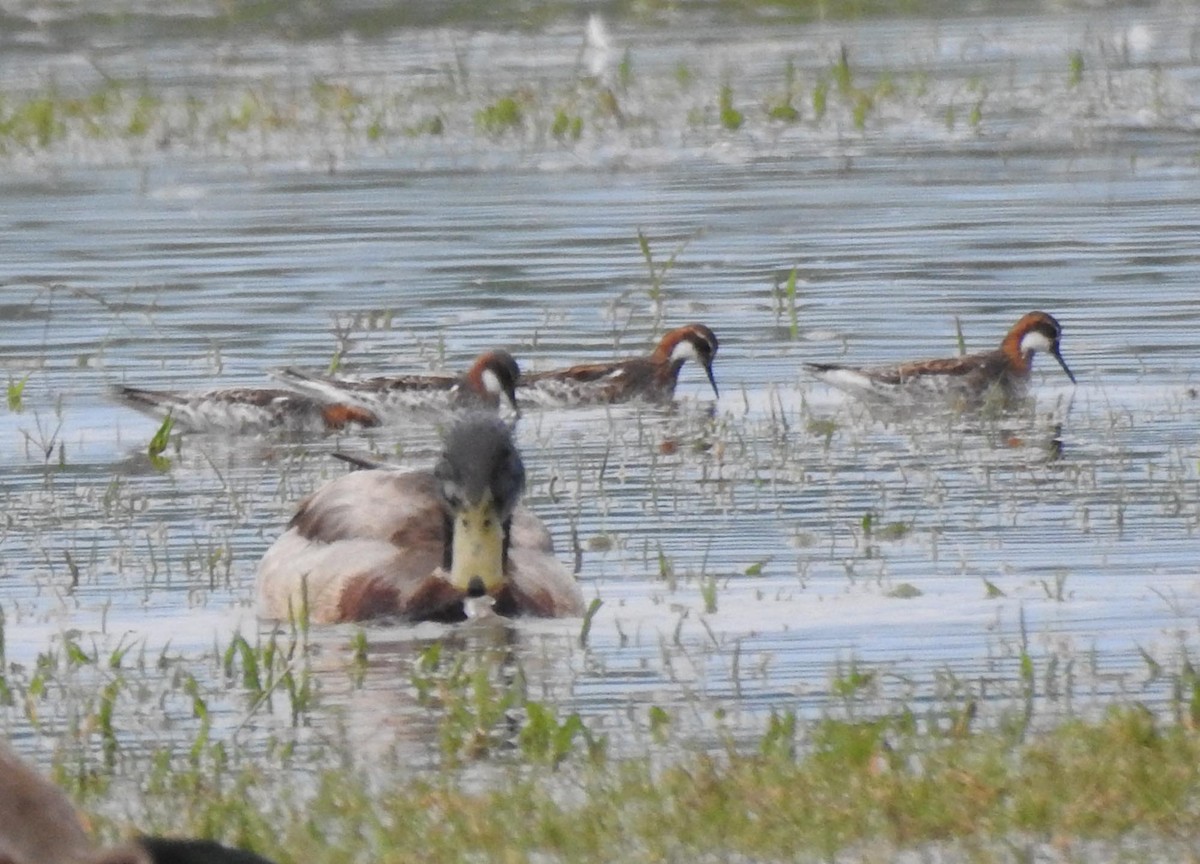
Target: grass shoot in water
x,y
731,118
158,444
16,394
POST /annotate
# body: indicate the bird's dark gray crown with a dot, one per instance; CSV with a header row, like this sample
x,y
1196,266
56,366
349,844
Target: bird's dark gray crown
x,y
479,455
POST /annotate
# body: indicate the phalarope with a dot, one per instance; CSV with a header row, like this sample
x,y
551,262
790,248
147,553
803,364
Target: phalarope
x,y
492,375
970,377
652,378
420,544
247,410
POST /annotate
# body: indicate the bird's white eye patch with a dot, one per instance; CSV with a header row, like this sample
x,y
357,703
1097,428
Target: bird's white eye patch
x,y
685,350
1035,340
491,382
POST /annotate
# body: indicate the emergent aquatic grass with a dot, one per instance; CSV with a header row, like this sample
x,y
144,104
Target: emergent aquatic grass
x,y
504,774
809,791
293,783
335,117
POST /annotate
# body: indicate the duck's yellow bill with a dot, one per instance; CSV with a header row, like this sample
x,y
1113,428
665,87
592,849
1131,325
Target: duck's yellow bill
x,y
477,551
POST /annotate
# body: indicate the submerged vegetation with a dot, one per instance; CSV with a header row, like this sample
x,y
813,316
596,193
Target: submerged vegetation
x,y
588,110
701,710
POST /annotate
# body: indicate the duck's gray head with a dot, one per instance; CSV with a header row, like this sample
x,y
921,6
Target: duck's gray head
x,y
481,478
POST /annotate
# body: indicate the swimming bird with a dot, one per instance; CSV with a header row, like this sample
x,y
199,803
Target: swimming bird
x,y
247,410
492,375
652,378
421,545
970,378
39,825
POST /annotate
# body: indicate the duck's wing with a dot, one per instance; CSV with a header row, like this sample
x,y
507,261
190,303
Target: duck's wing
x,y
352,579
399,507
527,531
365,545
539,585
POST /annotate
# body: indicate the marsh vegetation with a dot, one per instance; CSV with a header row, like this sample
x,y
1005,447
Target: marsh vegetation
x,y
816,632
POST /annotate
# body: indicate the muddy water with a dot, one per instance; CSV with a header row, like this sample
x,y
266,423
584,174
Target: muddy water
x,y
747,550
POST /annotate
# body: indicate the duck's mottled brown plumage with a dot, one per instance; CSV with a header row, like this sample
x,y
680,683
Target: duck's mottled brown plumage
x,y
376,543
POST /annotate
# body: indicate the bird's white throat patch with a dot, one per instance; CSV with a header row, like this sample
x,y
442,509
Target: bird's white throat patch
x,y
1035,340
491,382
685,350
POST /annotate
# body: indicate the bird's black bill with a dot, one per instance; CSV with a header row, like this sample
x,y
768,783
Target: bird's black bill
x,y
512,400
713,381
1063,364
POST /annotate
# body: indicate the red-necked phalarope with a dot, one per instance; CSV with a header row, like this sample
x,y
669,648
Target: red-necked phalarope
x,y
493,374
247,410
969,378
652,378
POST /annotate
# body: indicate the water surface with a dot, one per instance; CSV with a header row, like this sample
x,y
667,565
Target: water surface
x,y
983,182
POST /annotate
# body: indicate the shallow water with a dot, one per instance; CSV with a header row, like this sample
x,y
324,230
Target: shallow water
x,y
204,254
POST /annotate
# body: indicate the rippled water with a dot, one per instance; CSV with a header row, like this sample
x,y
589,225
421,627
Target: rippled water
x,y
204,254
